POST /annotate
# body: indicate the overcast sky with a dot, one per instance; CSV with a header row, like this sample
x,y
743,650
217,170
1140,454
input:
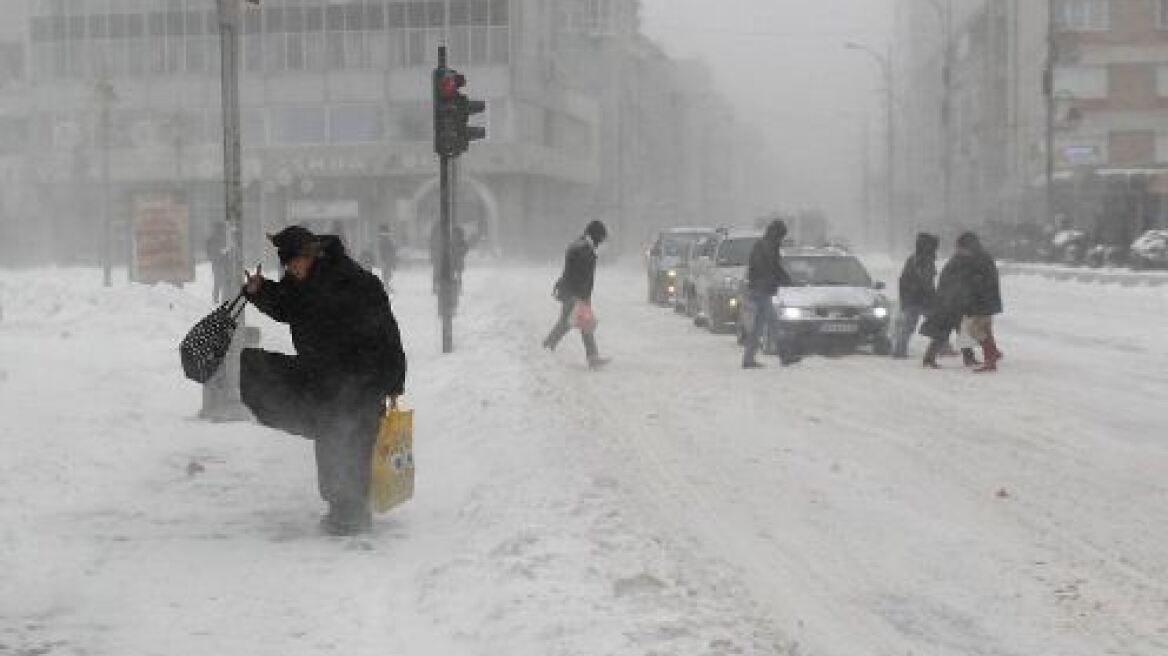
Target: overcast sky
x,y
783,65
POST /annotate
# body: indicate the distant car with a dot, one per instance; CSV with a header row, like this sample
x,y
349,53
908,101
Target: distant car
x,y
663,262
1150,250
719,279
833,305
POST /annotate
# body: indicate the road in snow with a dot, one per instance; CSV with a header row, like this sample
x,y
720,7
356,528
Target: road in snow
x,y
672,504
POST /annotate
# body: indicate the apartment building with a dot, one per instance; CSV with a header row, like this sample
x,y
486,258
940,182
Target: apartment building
x,y
1110,118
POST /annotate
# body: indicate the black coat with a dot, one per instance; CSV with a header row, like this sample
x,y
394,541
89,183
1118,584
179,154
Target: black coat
x,y
951,299
349,353
766,274
918,287
985,293
579,274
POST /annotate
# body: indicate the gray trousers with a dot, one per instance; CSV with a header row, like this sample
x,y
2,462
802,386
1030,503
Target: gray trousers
x,y
344,451
564,326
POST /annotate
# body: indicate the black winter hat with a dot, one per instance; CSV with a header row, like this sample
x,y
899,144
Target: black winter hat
x,y
291,242
969,240
597,232
777,229
928,243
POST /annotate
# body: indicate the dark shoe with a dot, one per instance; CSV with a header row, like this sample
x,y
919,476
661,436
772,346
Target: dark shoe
x,y
986,368
930,364
753,364
342,524
968,358
598,363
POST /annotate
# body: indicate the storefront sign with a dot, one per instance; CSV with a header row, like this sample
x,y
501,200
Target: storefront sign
x,y
161,239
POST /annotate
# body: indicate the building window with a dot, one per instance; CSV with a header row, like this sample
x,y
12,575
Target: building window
x,y
356,124
298,125
1081,82
1083,15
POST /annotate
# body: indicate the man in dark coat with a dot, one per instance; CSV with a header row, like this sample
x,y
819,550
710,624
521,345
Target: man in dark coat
x,y
575,286
918,290
348,359
459,248
765,275
983,299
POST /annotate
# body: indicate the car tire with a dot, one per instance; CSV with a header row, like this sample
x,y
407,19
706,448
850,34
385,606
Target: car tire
x,y
713,321
882,346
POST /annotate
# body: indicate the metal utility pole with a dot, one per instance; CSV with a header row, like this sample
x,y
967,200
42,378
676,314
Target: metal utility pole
x,y
221,399
885,62
229,21
945,16
105,97
1051,108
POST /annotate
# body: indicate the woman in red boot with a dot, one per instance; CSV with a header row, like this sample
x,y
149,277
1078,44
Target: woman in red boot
x,y
983,300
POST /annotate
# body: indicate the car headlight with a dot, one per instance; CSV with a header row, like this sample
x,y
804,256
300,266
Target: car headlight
x,y
880,312
733,302
672,273
794,313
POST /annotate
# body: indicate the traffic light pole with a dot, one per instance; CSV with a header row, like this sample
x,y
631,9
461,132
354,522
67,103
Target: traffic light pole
x,y
453,135
446,228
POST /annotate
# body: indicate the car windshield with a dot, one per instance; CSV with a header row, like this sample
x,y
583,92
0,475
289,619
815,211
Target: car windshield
x,y
736,252
827,271
674,245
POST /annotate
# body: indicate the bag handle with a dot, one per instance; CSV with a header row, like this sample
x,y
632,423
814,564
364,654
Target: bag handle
x,y
230,308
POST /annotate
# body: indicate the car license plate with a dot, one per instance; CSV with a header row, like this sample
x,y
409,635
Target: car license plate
x,y
839,328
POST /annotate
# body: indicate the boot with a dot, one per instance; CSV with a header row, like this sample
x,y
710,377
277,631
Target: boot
x,y
990,349
930,361
968,357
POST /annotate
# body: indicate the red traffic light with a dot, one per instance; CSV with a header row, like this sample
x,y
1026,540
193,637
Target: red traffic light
x,y
449,84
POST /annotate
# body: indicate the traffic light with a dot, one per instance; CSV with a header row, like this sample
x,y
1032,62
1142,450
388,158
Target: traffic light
x,y
452,111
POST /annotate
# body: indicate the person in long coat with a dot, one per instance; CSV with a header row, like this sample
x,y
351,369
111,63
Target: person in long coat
x,y
918,290
983,299
348,360
575,286
764,276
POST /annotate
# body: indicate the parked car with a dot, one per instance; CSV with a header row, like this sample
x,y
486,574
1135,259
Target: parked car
x,y
663,261
833,305
1150,250
719,279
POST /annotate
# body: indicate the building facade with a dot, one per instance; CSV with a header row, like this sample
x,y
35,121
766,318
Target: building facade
x,y
336,118
1110,118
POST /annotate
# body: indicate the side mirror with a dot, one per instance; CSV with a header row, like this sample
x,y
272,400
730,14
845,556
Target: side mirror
x,y
879,286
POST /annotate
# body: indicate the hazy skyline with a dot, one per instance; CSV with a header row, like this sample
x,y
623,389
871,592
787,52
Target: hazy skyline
x,y
784,68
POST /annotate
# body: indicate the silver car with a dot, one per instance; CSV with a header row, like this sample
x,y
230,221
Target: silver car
x,y
832,305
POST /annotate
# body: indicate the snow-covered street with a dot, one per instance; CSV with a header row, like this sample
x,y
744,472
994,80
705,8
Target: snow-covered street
x,y
670,504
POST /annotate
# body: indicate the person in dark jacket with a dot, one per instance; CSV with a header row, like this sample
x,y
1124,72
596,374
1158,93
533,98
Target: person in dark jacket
x,y
459,248
983,299
387,251
918,290
765,275
348,359
575,286
216,247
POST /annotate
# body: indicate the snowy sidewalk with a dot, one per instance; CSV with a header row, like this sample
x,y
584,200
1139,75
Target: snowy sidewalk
x,y
127,527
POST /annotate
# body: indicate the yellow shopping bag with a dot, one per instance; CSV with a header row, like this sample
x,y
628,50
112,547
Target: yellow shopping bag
x,y
392,483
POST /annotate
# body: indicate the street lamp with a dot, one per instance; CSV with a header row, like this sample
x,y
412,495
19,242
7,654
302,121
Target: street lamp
x,y
945,17
106,96
885,62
